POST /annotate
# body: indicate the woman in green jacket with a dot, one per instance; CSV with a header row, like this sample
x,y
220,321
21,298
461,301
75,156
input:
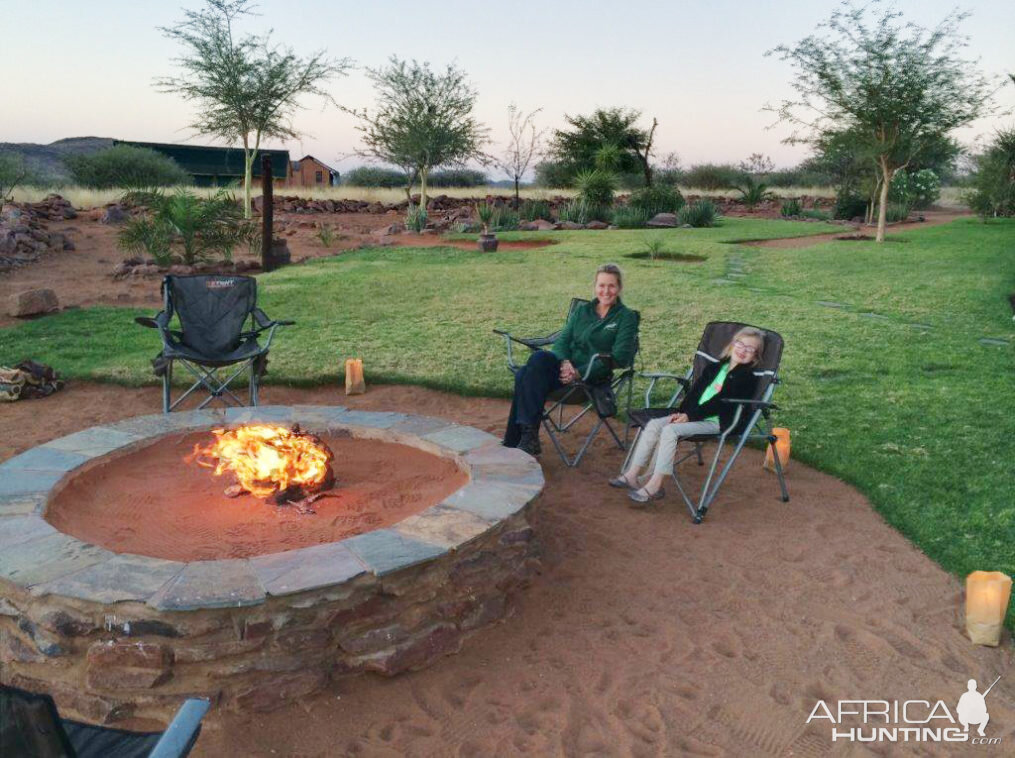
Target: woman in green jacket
x,y
604,325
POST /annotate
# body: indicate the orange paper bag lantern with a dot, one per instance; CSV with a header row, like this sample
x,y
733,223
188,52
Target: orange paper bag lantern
x,y
782,446
354,384
987,596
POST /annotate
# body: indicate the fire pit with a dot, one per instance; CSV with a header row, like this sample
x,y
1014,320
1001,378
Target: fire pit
x,y
131,575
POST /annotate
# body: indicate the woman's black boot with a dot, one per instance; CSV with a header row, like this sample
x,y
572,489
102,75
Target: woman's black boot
x,y
529,442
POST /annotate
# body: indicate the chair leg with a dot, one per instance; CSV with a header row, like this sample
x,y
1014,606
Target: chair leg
x,y
167,381
778,468
253,389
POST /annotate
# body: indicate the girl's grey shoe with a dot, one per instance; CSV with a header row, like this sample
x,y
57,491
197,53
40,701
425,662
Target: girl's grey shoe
x,y
641,497
620,483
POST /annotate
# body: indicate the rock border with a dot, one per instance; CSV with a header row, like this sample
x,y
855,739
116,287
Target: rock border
x,y
38,558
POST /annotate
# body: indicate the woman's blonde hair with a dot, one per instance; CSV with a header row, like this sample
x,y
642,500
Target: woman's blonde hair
x,y
747,331
610,268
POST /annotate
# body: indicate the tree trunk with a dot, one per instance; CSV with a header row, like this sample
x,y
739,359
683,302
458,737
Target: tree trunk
x,y
517,199
248,180
423,171
886,180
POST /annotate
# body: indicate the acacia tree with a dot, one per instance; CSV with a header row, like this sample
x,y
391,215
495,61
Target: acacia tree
x,y
608,132
12,173
423,119
898,89
522,146
245,88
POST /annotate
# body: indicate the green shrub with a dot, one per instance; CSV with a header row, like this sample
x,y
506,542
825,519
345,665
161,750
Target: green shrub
x,y
626,217
328,235
815,214
667,177
654,246
791,208
456,177
992,183
203,226
919,190
657,199
506,220
897,212
553,174
596,186
700,213
533,209
372,176
415,218
485,212
125,166
848,206
581,211
752,192
712,176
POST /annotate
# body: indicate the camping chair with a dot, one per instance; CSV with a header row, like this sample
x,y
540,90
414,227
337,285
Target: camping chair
x,y
599,397
212,311
750,422
31,726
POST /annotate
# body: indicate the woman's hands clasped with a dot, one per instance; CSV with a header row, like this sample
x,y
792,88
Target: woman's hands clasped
x,y
679,418
568,373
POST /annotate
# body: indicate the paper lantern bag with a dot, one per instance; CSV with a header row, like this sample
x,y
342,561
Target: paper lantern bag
x,y
354,384
987,596
782,446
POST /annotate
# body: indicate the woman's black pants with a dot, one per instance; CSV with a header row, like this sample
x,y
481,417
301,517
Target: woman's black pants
x,y
533,383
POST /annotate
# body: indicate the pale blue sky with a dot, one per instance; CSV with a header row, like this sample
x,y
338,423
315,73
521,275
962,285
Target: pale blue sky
x,y
77,69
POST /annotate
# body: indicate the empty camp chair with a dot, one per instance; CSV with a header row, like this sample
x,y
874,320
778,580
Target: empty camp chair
x,y
31,726
212,311
750,422
600,398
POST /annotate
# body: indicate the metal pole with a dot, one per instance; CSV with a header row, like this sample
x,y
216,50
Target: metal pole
x,y
267,212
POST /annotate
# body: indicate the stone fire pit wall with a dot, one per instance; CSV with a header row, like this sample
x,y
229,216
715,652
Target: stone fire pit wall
x,y
115,636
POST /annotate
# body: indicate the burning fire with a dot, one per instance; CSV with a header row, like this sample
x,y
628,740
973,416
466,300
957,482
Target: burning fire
x,y
269,460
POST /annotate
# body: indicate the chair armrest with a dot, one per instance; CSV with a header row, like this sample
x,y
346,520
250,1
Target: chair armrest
x,y
263,322
146,321
181,734
758,403
683,380
529,342
605,358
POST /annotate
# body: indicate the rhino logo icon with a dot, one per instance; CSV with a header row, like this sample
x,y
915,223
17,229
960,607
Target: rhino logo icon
x,y
972,707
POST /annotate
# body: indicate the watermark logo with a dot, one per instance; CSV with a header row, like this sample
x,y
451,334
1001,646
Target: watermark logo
x,y
909,720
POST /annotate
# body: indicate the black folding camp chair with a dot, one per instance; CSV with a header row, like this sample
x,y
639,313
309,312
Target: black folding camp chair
x,y
30,725
751,420
212,311
599,398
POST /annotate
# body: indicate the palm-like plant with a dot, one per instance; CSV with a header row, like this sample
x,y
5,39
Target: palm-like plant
x,y
752,192
202,226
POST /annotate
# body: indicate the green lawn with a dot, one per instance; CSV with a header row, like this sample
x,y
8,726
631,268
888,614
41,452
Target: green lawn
x,y
906,404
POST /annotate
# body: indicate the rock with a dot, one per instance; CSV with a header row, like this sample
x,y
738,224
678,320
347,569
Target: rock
x,y
280,691
539,225
114,214
568,225
433,642
598,225
127,665
663,220
391,229
181,270
33,303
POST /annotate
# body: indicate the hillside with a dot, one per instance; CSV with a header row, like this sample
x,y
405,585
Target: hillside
x,y
45,162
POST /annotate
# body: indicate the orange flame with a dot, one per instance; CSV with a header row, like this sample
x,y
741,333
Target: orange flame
x,y
267,459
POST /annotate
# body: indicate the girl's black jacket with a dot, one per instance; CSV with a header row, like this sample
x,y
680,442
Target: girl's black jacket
x,y
740,384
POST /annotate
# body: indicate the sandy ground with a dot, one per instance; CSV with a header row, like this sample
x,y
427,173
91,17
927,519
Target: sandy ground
x,y
644,635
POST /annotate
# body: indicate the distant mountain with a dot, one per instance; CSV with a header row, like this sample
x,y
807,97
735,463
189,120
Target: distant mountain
x,y
45,162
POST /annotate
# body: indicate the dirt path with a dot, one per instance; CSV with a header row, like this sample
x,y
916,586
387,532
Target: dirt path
x,y
932,218
644,635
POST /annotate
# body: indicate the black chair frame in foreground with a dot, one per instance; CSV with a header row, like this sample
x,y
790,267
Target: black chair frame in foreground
x,y
30,725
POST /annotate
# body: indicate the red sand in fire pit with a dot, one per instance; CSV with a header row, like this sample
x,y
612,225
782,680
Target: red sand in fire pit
x,y
151,502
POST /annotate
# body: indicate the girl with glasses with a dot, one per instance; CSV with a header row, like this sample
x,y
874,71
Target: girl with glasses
x,y
702,411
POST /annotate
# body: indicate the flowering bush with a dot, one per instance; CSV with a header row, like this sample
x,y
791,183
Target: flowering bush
x,y
918,191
